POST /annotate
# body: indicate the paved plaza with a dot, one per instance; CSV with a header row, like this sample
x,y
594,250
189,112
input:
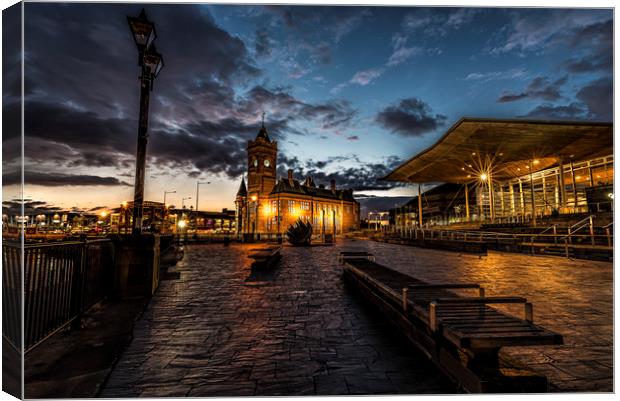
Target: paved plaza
x,y
224,329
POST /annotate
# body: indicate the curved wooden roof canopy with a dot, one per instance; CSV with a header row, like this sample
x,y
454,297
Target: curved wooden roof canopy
x,y
504,149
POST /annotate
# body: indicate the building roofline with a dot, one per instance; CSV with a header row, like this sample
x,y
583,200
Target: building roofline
x,y
463,120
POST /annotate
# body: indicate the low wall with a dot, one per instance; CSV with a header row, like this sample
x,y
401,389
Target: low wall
x,y
137,265
476,247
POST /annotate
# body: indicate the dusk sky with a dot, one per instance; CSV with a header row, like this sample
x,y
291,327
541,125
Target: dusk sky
x,y
349,92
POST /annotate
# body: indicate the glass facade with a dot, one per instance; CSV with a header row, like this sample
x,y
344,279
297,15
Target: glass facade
x,y
562,189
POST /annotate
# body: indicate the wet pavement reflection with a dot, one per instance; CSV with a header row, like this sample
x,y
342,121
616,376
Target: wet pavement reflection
x,y
224,328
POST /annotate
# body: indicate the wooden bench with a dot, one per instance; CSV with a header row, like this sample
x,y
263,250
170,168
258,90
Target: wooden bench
x,y
354,255
461,334
265,257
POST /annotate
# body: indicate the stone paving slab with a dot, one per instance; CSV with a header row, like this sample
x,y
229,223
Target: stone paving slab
x,y
571,297
223,329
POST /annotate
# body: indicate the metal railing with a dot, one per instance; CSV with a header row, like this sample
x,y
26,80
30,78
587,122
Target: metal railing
x,y
587,222
551,227
61,281
574,233
609,234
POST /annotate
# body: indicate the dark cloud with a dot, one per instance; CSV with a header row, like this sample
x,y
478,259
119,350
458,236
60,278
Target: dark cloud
x,y
262,44
30,207
330,115
573,111
597,41
57,179
410,117
311,25
353,138
538,88
362,177
284,12
598,98
594,102
198,121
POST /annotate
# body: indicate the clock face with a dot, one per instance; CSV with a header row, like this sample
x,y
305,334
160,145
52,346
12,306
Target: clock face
x,y
255,162
267,163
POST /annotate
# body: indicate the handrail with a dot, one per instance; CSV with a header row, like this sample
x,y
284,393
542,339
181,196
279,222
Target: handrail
x,y
555,238
582,221
572,232
608,225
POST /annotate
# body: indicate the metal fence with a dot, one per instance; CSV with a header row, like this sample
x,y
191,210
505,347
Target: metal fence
x,y
61,281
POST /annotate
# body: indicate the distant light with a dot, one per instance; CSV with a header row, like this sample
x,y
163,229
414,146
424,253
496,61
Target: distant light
x,y
473,153
571,156
536,161
463,168
501,154
518,168
468,175
610,195
254,197
483,177
578,177
103,214
469,165
181,224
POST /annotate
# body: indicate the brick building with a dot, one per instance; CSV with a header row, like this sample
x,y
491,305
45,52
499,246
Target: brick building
x,y
269,205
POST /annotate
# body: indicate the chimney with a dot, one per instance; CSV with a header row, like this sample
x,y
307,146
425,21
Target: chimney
x,y
290,176
332,185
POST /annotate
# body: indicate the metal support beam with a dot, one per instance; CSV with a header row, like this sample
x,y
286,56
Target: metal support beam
x,y
561,184
532,196
467,202
572,177
420,204
491,200
521,198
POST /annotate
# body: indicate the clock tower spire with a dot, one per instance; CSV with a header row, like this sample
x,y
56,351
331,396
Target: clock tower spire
x,y
262,158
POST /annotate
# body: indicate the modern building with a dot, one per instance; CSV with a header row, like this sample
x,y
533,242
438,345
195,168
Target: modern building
x,y
443,204
517,169
269,205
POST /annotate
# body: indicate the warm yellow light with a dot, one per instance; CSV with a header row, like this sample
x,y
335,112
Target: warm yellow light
x,y
473,153
103,214
124,204
254,197
578,177
483,177
536,161
167,205
468,175
181,223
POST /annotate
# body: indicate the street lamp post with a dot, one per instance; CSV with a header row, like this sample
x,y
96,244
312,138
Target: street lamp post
x,y
198,184
255,221
151,62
